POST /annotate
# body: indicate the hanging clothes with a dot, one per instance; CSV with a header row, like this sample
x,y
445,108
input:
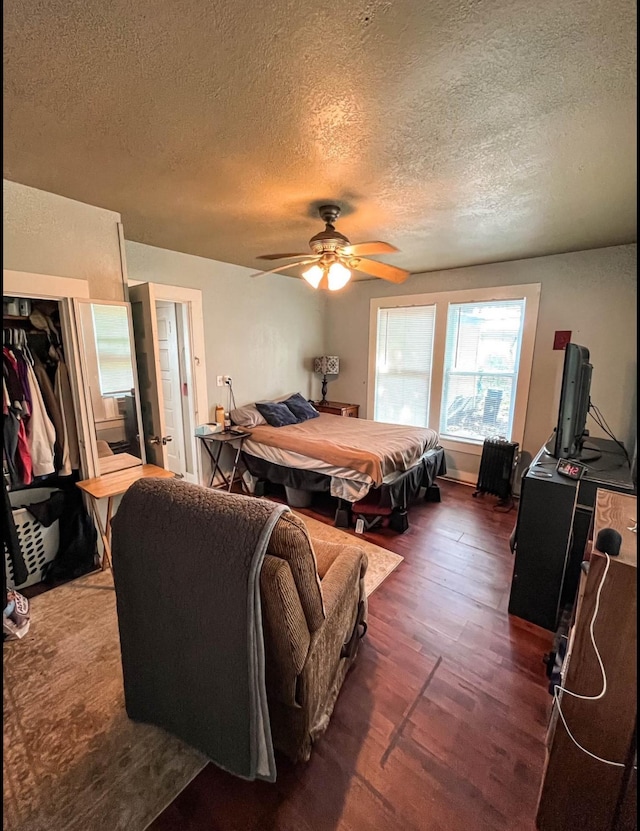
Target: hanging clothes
x,y
53,409
10,429
14,429
71,450
41,434
22,367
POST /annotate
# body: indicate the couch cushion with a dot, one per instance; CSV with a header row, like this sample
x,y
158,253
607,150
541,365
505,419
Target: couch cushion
x,y
326,552
287,636
290,541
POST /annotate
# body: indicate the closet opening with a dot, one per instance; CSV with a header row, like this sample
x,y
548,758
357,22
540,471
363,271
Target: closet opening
x,y
49,535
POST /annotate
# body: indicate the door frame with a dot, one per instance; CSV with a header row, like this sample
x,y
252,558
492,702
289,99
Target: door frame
x,y
199,400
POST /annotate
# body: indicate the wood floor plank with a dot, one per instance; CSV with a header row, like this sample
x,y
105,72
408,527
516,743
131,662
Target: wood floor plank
x,y
461,752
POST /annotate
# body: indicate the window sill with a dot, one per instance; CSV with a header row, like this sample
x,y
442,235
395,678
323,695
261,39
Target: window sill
x,y
473,448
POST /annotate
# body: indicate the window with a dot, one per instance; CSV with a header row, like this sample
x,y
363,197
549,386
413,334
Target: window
x,y
113,349
482,355
403,365
459,362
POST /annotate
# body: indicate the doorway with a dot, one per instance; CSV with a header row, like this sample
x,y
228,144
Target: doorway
x,y
172,348
169,332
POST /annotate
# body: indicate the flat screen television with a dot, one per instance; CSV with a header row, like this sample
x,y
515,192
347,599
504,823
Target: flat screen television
x,y
570,432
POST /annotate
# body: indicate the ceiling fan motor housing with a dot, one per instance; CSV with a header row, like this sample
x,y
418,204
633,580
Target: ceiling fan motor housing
x,y
329,240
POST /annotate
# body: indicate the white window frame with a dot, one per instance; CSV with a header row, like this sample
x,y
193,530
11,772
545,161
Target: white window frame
x,y
530,292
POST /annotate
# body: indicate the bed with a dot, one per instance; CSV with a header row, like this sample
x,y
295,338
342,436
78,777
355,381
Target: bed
x,y
355,460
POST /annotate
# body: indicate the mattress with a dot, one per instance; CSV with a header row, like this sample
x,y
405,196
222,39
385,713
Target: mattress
x,y
337,443
369,448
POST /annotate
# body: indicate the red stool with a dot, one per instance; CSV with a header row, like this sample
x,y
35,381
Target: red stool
x,y
372,510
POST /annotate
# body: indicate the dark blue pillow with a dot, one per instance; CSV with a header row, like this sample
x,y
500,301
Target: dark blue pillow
x,y
276,414
301,408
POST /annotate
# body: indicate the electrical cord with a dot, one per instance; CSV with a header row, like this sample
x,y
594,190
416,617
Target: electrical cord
x,y
600,420
232,398
559,688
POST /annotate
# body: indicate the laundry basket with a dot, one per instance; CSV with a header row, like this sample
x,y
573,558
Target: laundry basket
x,y
39,544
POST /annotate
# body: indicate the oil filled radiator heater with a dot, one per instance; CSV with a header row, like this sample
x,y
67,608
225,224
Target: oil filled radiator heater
x,y
497,464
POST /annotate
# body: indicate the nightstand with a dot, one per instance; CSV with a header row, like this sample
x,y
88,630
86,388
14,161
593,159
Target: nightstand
x,y
337,408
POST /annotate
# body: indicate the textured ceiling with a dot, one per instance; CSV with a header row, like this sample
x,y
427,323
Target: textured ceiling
x,y
460,131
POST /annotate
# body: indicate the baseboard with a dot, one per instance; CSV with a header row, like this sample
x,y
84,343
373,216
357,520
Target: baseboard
x,y
461,478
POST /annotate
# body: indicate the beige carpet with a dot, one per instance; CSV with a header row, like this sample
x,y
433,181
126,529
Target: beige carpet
x,y
381,561
73,761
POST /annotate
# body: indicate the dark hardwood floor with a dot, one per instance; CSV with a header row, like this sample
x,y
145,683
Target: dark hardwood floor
x,y
440,724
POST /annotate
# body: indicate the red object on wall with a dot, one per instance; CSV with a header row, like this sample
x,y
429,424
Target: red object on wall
x,y
561,339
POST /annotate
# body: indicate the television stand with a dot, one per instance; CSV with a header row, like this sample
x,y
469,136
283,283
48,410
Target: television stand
x,y
588,454
552,529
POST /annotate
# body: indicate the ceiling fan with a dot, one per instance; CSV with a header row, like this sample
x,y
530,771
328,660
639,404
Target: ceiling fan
x,y
334,257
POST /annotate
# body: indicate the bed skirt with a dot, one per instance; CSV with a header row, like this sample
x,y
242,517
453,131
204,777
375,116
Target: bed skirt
x,y
397,495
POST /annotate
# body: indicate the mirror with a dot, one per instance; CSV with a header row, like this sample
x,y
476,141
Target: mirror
x,y
108,360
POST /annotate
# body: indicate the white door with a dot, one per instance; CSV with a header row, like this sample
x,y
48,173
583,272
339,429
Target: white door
x,y
172,384
145,331
172,375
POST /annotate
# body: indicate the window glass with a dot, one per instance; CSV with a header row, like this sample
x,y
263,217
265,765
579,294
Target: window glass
x,y
113,349
482,355
403,365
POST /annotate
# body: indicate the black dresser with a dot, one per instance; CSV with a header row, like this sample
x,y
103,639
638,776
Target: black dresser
x,y
552,530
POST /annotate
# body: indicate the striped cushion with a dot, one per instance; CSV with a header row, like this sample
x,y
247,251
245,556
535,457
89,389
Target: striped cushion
x,y
290,541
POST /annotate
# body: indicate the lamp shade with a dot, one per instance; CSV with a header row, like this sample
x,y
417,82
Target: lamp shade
x,y
327,365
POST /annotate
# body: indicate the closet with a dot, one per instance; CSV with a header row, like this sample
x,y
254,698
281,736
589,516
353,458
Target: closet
x,y
70,411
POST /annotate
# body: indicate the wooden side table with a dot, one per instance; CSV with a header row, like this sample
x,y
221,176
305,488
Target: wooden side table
x,y
109,486
338,408
577,790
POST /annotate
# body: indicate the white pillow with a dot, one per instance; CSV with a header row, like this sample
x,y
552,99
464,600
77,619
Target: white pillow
x,y
247,416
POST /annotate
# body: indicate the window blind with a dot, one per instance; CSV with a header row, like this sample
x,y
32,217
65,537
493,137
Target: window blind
x,y
404,355
113,349
482,354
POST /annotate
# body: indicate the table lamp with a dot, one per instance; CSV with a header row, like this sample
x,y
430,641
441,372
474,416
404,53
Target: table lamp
x,y
326,365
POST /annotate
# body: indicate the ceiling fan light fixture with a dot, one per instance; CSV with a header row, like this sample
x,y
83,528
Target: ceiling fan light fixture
x,y
313,275
335,258
338,276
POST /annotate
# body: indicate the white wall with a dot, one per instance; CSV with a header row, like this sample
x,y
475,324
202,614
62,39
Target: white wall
x,y
49,234
264,332
591,293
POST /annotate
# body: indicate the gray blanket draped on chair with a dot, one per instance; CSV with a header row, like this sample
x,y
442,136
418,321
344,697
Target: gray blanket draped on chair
x,y
188,598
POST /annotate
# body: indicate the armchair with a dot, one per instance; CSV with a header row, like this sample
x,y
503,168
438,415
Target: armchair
x,y
181,556
314,613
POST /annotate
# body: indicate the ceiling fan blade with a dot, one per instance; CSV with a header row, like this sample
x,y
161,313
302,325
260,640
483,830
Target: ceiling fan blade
x,y
284,267
363,249
386,272
281,256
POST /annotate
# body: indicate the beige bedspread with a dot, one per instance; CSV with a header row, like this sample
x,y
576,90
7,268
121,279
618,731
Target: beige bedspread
x,y
369,447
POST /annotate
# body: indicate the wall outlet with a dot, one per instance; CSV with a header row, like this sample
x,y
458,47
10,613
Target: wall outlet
x,y
219,381
227,380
